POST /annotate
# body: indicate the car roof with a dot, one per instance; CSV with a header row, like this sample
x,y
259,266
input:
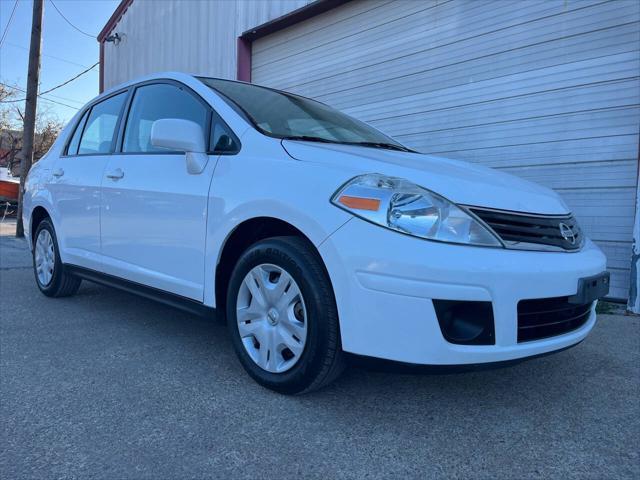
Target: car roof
x,y
187,78
178,76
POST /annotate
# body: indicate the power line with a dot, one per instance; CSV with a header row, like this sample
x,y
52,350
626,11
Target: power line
x,y
11,44
57,86
6,29
60,103
71,79
69,22
19,89
51,89
42,98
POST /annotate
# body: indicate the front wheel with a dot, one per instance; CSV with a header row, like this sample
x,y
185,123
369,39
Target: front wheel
x,y
282,316
51,278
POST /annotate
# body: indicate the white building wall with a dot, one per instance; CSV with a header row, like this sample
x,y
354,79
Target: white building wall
x,y
547,90
197,36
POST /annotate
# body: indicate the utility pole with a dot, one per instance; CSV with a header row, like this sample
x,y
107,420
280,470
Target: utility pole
x,y
33,79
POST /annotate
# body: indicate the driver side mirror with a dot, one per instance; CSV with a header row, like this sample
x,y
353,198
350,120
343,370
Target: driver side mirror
x,y
182,136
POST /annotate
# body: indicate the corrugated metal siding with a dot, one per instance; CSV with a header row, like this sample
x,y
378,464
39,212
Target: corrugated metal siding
x,y
547,90
197,36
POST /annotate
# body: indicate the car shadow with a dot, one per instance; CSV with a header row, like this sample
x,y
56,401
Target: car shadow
x,y
364,378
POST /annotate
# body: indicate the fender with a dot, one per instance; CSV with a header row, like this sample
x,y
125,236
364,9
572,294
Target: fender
x,y
217,236
302,199
37,196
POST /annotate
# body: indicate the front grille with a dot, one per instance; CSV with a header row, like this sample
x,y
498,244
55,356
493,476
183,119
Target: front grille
x,y
526,231
547,317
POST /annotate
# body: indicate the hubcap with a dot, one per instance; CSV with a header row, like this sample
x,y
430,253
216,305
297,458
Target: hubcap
x,y
45,259
272,318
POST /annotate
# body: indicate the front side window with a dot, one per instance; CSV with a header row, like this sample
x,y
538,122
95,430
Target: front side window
x,y
155,102
283,115
100,127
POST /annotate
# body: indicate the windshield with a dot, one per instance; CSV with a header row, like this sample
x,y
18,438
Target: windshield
x,y
284,115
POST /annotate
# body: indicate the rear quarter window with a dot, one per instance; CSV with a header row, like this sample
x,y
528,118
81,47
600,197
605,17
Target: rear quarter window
x,y
72,148
100,128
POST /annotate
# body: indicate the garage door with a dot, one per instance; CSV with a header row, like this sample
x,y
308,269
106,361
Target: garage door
x,y
546,90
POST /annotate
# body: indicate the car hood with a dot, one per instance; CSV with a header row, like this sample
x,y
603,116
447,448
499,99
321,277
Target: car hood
x,y
461,182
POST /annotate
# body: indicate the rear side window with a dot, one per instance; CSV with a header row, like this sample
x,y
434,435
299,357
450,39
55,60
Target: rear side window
x,y
155,102
72,149
101,126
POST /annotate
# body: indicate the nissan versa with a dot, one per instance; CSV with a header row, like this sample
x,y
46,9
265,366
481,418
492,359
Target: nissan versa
x,y
312,231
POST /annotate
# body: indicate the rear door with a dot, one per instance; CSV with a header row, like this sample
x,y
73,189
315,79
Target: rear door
x,y
154,213
77,177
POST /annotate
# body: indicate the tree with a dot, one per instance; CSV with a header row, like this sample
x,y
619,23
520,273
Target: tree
x,y
9,146
48,128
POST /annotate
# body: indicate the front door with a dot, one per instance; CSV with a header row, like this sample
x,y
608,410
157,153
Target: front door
x,y
154,213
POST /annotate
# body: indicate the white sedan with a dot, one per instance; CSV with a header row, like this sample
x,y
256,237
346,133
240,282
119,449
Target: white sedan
x,y
311,232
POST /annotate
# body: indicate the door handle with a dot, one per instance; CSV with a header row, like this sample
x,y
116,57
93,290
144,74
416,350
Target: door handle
x,y
58,172
117,174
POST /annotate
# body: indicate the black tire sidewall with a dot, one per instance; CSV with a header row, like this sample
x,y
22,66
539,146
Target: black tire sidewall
x,y
56,280
315,289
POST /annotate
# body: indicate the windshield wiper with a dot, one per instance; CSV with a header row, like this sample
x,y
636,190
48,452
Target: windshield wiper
x,y
309,138
390,146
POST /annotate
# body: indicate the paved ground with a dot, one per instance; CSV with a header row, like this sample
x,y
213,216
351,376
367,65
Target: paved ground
x,y
107,385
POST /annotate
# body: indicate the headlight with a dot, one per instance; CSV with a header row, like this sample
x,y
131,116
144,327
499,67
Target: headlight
x,y
400,205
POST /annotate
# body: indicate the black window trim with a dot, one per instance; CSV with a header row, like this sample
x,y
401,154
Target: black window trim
x,y
87,110
116,144
80,125
209,121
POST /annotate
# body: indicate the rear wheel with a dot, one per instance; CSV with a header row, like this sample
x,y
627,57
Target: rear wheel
x,y
51,278
282,316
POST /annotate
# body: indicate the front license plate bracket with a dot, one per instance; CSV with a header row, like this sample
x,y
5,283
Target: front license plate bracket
x,y
591,289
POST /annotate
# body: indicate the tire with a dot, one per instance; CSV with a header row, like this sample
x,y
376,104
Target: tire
x,y
321,359
57,283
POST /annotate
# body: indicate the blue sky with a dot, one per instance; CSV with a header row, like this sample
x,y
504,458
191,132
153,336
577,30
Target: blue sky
x,y
66,52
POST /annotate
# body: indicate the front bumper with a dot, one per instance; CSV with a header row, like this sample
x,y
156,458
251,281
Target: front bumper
x,y
384,283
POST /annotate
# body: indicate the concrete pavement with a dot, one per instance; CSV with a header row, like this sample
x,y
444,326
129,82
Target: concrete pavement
x,y
108,385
